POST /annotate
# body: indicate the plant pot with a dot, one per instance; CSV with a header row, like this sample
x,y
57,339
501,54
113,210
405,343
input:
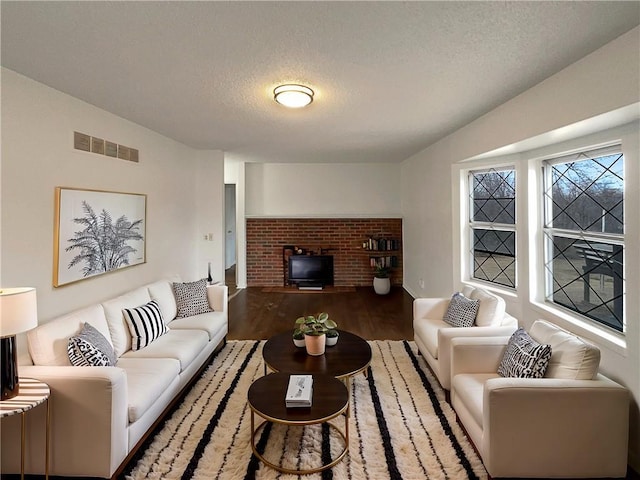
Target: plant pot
x,y
315,344
382,286
298,342
331,341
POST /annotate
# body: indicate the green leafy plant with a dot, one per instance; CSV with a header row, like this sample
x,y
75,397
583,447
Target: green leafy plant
x,y
316,325
380,271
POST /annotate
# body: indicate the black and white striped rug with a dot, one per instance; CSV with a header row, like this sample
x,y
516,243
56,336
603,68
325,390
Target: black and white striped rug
x,y
401,427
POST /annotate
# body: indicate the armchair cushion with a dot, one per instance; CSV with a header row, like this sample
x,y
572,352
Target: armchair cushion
x,y
571,356
492,308
462,311
524,357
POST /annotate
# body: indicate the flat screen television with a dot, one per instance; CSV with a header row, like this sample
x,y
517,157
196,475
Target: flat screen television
x,y
311,270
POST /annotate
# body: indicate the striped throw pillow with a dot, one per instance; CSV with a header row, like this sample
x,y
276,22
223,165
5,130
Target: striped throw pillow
x,y
145,324
524,357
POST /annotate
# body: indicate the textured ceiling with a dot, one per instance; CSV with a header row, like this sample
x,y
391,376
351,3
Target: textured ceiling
x,y
390,78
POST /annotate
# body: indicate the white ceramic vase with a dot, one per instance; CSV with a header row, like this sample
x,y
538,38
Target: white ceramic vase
x,y
382,286
331,341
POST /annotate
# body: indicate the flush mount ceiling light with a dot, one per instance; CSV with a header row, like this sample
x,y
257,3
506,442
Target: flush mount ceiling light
x,y
293,96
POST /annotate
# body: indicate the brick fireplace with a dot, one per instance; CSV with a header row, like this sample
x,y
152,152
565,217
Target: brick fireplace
x,y
341,237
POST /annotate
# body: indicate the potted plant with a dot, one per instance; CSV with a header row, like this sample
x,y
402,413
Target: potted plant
x,y
381,281
314,328
298,337
332,337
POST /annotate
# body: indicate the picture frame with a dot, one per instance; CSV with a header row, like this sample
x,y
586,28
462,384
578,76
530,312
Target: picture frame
x,y
97,232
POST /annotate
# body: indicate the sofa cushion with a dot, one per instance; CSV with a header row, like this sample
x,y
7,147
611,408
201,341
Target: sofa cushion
x,y
462,311
524,357
162,292
120,336
147,380
89,348
491,310
182,345
48,342
211,323
191,298
571,356
145,324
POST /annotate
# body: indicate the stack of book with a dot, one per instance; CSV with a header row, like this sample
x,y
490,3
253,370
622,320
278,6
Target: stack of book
x,y
299,391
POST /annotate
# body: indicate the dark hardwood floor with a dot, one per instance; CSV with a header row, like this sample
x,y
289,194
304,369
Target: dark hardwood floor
x,y
257,315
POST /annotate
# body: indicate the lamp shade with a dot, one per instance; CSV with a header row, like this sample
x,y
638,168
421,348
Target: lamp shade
x,y
18,310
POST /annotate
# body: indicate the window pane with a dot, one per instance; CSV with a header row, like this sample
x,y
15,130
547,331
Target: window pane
x,y
587,195
494,197
494,258
587,278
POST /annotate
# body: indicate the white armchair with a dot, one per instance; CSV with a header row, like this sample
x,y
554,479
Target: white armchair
x,y
433,335
573,423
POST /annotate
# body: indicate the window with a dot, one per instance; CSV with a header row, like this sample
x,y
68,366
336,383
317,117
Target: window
x,y
492,223
584,234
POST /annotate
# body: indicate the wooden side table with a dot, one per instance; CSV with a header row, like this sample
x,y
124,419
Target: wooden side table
x,y
32,393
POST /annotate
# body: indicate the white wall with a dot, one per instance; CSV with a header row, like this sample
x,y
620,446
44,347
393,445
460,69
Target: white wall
x,y
183,187
323,190
605,81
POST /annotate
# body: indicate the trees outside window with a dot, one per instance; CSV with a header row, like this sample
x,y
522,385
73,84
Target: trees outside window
x,y
584,234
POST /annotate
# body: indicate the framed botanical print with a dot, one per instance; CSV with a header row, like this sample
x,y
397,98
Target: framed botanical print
x,y
97,232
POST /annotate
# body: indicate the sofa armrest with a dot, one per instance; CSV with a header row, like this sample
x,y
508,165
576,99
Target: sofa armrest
x,y
578,426
445,337
477,354
218,295
89,407
430,308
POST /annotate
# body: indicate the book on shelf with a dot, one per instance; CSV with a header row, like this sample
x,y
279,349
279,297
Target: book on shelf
x,y
299,391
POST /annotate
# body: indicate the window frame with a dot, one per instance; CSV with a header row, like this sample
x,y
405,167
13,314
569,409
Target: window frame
x,y
549,232
473,225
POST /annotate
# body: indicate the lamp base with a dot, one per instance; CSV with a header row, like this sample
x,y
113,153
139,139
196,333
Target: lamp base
x,y
9,370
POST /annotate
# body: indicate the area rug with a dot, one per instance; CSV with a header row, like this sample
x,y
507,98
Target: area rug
x,y
328,289
401,427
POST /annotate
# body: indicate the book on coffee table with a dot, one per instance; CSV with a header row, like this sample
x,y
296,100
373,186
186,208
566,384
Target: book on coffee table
x,y
299,391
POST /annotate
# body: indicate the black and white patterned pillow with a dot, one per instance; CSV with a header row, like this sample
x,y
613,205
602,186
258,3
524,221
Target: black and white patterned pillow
x,y
145,324
462,311
191,298
524,357
90,348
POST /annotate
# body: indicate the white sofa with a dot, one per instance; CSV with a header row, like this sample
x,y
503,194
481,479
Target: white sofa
x,y
99,414
573,423
433,335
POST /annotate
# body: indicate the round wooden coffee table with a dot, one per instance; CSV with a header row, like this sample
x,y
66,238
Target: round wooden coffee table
x,y
330,399
351,355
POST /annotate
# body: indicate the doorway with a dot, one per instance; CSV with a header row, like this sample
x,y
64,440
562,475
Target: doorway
x,y
230,240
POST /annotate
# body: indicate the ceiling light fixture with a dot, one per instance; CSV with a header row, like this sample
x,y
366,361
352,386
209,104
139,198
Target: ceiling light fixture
x,y
293,96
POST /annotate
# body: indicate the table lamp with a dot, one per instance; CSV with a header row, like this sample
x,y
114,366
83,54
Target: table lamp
x,y
18,313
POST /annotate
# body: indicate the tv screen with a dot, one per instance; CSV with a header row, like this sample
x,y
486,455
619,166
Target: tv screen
x,y
311,269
